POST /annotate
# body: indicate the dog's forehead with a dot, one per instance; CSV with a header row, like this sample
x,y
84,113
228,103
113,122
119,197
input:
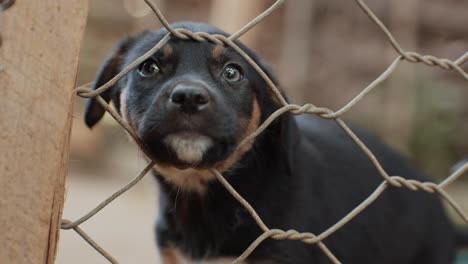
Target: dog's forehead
x,y
147,41
181,48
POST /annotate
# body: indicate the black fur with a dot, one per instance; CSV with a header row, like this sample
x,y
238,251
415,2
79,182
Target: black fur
x,y
110,68
302,173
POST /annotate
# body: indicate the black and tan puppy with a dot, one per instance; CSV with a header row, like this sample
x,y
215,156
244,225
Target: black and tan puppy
x,y
193,102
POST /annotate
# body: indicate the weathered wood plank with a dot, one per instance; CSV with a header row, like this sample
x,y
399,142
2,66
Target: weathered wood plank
x,y
41,43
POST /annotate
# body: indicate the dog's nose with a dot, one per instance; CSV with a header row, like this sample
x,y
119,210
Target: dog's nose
x,y
190,98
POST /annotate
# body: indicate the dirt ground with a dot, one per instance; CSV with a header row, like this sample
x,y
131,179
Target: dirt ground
x,y
125,227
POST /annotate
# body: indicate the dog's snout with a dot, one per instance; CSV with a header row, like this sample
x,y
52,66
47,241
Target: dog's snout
x,y
189,98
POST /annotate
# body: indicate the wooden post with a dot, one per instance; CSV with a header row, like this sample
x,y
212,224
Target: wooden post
x,y
41,44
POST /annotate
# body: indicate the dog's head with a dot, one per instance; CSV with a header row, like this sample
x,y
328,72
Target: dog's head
x,y
191,103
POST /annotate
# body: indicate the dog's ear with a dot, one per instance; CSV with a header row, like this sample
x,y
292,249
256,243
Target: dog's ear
x,y
111,67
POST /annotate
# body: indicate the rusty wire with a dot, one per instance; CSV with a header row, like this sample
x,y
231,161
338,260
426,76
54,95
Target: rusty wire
x,y
306,237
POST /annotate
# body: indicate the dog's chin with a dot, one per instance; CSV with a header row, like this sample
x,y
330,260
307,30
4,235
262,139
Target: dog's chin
x,y
188,147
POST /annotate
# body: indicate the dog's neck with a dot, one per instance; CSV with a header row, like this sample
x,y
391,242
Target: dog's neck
x,y
203,224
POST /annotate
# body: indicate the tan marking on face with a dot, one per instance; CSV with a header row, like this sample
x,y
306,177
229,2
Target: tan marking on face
x,y
169,256
253,124
197,179
218,52
187,179
172,255
124,108
167,51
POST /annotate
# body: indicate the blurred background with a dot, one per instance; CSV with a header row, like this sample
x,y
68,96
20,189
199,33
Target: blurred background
x,y
323,51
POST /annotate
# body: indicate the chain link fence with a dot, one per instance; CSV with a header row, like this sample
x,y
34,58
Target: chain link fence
x,y
388,181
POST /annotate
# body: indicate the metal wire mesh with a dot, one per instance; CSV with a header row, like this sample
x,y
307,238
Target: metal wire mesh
x,y
388,181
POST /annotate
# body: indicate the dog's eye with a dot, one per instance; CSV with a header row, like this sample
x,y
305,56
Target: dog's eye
x,y
232,73
148,68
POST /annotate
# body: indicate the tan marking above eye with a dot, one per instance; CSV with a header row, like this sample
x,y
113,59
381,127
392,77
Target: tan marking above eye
x,y
167,51
218,52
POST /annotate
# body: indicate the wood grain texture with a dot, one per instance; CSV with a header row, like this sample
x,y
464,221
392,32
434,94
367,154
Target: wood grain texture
x,y
41,43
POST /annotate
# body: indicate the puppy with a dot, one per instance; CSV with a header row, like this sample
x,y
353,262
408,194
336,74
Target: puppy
x,y
193,102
